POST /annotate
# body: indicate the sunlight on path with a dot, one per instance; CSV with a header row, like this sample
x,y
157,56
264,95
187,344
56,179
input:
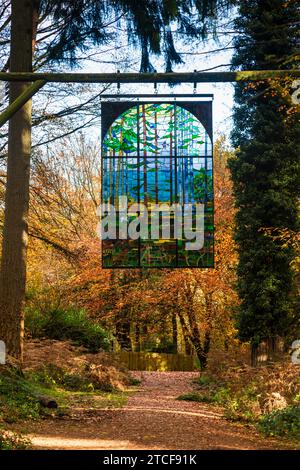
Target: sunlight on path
x,y
64,443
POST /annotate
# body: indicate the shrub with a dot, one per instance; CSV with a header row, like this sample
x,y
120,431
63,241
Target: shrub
x,y
284,423
52,376
193,396
239,405
12,441
67,323
17,398
204,380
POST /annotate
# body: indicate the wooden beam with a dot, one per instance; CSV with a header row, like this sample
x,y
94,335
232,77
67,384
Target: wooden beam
x,y
20,101
174,77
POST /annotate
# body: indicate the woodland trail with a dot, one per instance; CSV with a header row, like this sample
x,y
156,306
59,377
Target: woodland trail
x,y
152,419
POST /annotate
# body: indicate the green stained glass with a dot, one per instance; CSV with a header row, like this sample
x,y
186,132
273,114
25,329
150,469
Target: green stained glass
x,y
153,154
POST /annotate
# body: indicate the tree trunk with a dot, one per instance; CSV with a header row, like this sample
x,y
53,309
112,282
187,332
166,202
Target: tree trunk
x,y
123,334
14,248
137,338
185,333
174,333
202,359
187,345
271,344
195,336
203,355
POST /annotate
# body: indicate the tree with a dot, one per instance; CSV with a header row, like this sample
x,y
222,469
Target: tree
x,y
148,25
82,25
265,171
13,262
204,299
158,309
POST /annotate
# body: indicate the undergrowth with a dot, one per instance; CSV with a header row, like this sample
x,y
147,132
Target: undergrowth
x,y
282,423
13,441
194,396
68,323
18,397
267,397
19,393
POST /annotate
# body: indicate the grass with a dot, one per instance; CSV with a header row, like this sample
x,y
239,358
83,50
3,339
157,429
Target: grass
x,y
97,400
19,399
193,396
237,406
13,441
19,394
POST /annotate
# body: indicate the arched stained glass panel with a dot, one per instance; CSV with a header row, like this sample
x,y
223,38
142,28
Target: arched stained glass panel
x,y
157,154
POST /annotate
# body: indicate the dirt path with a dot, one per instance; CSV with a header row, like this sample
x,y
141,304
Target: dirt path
x,y
152,419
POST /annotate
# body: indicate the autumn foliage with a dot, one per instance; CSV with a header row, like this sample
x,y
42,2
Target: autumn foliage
x,y
162,310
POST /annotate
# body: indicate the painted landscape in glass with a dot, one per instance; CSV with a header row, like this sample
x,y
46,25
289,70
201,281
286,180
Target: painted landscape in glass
x,y
158,153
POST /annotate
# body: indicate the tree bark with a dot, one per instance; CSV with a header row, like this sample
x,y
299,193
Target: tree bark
x,y
137,338
15,231
46,402
203,355
271,344
123,334
186,334
174,333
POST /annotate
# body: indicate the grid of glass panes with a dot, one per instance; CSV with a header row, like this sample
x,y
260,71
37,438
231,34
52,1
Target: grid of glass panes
x,y
157,153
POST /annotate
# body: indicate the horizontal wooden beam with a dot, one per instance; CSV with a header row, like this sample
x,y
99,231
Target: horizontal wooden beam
x,y
174,77
20,101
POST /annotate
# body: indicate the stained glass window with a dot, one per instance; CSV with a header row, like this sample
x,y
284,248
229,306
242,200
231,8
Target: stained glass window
x,y
157,183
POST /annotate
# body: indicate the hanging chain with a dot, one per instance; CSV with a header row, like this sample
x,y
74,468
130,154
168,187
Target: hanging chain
x,y
195,85
155,85
118,87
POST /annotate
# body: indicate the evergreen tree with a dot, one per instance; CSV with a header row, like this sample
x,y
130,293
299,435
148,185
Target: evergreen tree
x,y
147,23
266,170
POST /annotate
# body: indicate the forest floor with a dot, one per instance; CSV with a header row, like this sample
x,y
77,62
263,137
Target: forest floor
x,y
151,419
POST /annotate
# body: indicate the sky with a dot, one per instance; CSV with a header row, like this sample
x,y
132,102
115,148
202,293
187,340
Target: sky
x,y
196,56
118,54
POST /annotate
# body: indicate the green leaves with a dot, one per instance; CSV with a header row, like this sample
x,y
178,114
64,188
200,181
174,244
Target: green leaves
x,y
265,187
283,423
